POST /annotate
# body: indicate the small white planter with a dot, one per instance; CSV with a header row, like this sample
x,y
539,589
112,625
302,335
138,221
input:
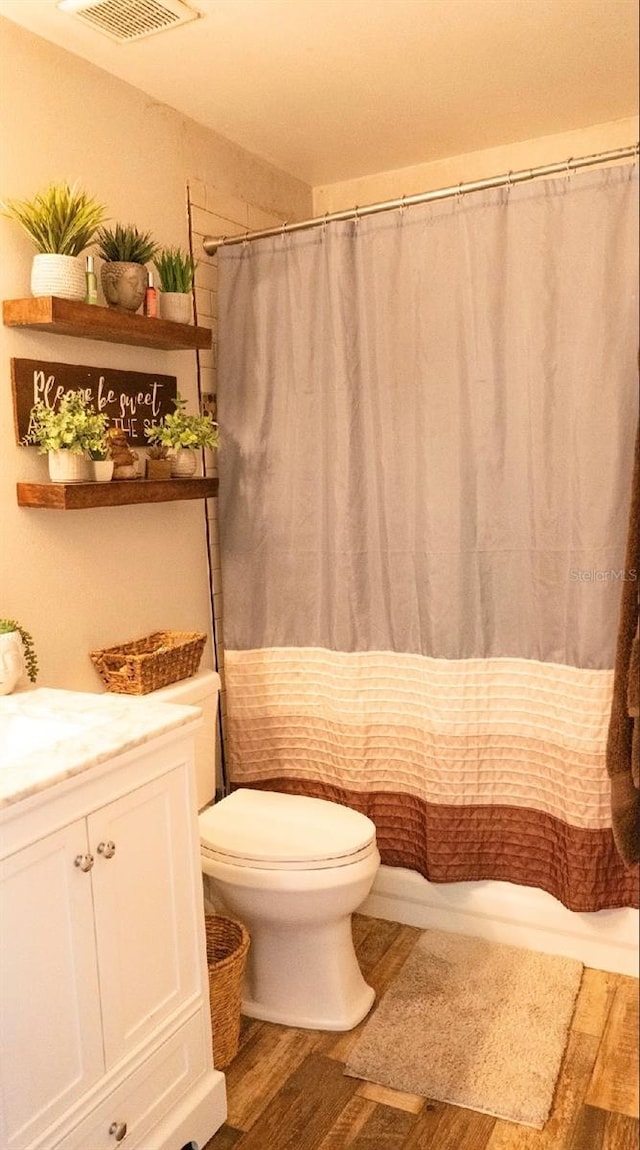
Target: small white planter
x,y
12,664
184,462
62,276
176,306
102,470
67,467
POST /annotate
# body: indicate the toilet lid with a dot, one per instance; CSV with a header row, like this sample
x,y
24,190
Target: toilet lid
x,y
271,830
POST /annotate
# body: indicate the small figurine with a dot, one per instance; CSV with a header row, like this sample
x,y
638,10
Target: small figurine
x,y
125,461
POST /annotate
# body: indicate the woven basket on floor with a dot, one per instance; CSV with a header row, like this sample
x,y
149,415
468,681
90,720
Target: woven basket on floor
x,y
227,946
147,664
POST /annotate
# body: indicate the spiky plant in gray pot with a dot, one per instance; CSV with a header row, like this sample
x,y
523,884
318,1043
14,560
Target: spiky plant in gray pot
x,y
125,251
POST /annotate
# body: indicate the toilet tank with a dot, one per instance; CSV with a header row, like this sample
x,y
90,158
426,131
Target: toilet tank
x,y
199,690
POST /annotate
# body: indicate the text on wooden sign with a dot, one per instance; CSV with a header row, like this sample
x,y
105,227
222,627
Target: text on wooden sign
x,y
132,400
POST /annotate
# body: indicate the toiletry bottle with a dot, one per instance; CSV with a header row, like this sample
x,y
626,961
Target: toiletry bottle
x,y
150,298
91,295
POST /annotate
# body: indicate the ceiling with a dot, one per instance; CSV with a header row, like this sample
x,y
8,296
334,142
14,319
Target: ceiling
x,y
330,90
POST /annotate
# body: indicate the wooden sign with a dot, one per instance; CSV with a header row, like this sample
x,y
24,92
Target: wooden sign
x,y
132,400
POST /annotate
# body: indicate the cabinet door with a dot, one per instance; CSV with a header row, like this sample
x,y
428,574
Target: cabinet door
x,y
145,907
50,1023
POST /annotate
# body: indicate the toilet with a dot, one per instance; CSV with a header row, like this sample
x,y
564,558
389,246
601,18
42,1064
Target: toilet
x,y
293,869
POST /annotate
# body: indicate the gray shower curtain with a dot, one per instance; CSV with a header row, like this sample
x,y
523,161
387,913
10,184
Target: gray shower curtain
x,y
427,420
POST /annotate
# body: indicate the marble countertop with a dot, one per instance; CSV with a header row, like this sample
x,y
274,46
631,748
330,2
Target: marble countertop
x,y
48,735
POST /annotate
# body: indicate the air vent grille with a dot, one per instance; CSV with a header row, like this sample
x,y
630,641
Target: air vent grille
x,y
126,20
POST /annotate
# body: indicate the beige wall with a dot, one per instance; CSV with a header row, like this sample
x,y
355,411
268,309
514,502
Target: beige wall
x,y
84,579
475,166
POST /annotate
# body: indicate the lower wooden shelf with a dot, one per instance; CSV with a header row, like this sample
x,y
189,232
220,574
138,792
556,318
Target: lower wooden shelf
x,y
117,493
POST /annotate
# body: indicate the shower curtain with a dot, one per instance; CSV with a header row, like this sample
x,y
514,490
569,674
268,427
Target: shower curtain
x,y
427,421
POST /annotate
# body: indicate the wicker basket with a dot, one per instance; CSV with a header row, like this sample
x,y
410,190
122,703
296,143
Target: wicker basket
x,y
227,946
147,664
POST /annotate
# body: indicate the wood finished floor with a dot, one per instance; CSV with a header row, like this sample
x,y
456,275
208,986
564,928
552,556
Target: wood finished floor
x,y
287,1091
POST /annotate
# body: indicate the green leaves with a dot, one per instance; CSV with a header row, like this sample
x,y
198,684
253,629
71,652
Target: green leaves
x,y
75,426
178,429
7,627
62,220
125,244
176,269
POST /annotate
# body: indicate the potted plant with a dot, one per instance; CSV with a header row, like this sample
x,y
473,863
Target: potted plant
x,y
61,222
125,251
67,434
99,449
176,269
182,433
158,462
17,655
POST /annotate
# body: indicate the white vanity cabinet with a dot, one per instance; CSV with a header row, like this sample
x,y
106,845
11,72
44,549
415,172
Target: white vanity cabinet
x,y
105,1024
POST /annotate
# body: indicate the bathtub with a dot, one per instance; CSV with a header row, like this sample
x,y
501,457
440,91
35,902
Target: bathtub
x,y
505,912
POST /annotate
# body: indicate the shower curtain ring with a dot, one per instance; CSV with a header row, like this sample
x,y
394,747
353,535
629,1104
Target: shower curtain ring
x,y
568,169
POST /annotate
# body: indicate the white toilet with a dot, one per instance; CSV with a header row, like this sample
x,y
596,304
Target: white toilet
x,y
293,869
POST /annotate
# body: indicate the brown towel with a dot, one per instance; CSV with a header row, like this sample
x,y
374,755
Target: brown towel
x,y
623,742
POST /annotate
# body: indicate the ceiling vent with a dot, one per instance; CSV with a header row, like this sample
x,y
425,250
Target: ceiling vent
x,y
127,20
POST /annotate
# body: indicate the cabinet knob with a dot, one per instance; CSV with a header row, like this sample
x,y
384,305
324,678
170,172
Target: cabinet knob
x,y
107,850
118,1129
83,862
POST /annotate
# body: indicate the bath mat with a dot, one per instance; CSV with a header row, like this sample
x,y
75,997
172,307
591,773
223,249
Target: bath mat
x,y
474,1023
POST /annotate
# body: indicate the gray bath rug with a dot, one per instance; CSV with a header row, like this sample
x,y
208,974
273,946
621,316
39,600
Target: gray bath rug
x,y
474,1023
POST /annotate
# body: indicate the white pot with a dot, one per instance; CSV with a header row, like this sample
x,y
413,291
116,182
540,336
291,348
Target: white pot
x,y
12,664
176,306
183,463
102,470
67,467
62,276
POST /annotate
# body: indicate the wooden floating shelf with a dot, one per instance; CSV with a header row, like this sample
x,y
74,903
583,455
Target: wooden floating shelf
x,y
67,317
117,493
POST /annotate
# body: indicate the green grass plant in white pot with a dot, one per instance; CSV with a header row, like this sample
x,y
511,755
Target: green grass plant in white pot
x,y
17,655
68,435
183,433
61,221
125,251
176,270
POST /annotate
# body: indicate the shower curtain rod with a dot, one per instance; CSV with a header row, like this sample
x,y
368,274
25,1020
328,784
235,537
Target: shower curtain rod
x,y
212,243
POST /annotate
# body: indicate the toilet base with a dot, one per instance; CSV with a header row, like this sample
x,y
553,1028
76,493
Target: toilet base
x,y
358,1011
305,975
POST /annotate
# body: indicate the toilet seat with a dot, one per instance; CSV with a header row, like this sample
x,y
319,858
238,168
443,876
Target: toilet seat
x,y
273,831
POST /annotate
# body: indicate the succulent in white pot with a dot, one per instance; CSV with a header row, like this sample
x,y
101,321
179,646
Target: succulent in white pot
x,y
182,433
125,251
17,656
62,222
